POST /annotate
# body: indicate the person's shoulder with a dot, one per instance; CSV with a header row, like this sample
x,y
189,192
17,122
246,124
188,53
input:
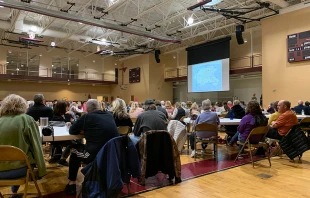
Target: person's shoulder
x,y
46,108
26,117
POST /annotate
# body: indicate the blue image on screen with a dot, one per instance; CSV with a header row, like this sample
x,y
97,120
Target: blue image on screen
x,y
207,77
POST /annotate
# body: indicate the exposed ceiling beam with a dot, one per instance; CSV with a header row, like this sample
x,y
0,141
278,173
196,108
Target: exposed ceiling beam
x,y
66,16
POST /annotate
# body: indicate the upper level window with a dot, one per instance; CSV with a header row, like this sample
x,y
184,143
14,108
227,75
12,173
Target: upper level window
x,y
22,63
65,67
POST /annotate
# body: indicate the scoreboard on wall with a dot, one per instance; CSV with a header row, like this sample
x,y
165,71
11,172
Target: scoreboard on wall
x,y
134,75
298,47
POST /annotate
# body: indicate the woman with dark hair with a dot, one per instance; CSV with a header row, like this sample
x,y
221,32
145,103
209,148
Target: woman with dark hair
x,y
307,108
61,112
225,109
253,118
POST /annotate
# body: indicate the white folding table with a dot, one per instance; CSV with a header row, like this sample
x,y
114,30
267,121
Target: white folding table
x,y
60,134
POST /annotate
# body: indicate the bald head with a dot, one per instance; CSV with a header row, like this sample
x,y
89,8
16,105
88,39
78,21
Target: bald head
x,y
284,106
300,102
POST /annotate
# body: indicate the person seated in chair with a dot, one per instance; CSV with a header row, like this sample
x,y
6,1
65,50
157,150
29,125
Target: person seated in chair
x,y
150,119
39,109
160,108
298,109
61,114
238,113
98,127
253,118
178,112
120,115
207,116
19,130
284,123
275,115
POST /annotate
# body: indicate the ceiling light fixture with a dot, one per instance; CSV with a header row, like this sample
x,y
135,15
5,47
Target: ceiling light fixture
x,y
53,44
190,21
33,28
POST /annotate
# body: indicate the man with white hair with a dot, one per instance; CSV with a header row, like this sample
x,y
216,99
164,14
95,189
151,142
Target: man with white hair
x,y
230,104
207,116
298,109
98,127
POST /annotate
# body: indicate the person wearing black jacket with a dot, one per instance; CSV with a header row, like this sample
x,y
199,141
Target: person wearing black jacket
x,y
160,108
306,108
98,127
61,114
120,115
239,113
39,109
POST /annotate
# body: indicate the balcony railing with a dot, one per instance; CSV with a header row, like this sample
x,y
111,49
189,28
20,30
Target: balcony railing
x,y
246,62
48,73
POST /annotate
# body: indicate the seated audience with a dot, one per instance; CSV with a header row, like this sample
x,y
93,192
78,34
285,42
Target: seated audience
x,y
184,106
189,104
298,109
225,109
135,110
275,115
284,123
128,106
242,104
307,108
207,116
238,112
61,114
162,104
271,109
160,108
194,111
178,112
39,109
229,104
219,107
253,118
98,127
169,108
19,130
120,115
150,119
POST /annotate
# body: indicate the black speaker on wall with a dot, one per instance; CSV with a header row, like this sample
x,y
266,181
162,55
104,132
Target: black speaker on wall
x,y
239,30
157,52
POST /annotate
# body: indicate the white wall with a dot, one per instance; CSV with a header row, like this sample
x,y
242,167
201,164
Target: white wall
x,y
242,88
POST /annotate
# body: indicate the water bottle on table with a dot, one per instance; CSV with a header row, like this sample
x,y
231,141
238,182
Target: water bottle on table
x,y
302,112
231,115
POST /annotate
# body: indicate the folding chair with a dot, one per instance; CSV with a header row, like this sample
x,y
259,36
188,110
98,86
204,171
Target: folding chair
x,y
11,153
133,120
206,133
123,130
258,131
305,125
